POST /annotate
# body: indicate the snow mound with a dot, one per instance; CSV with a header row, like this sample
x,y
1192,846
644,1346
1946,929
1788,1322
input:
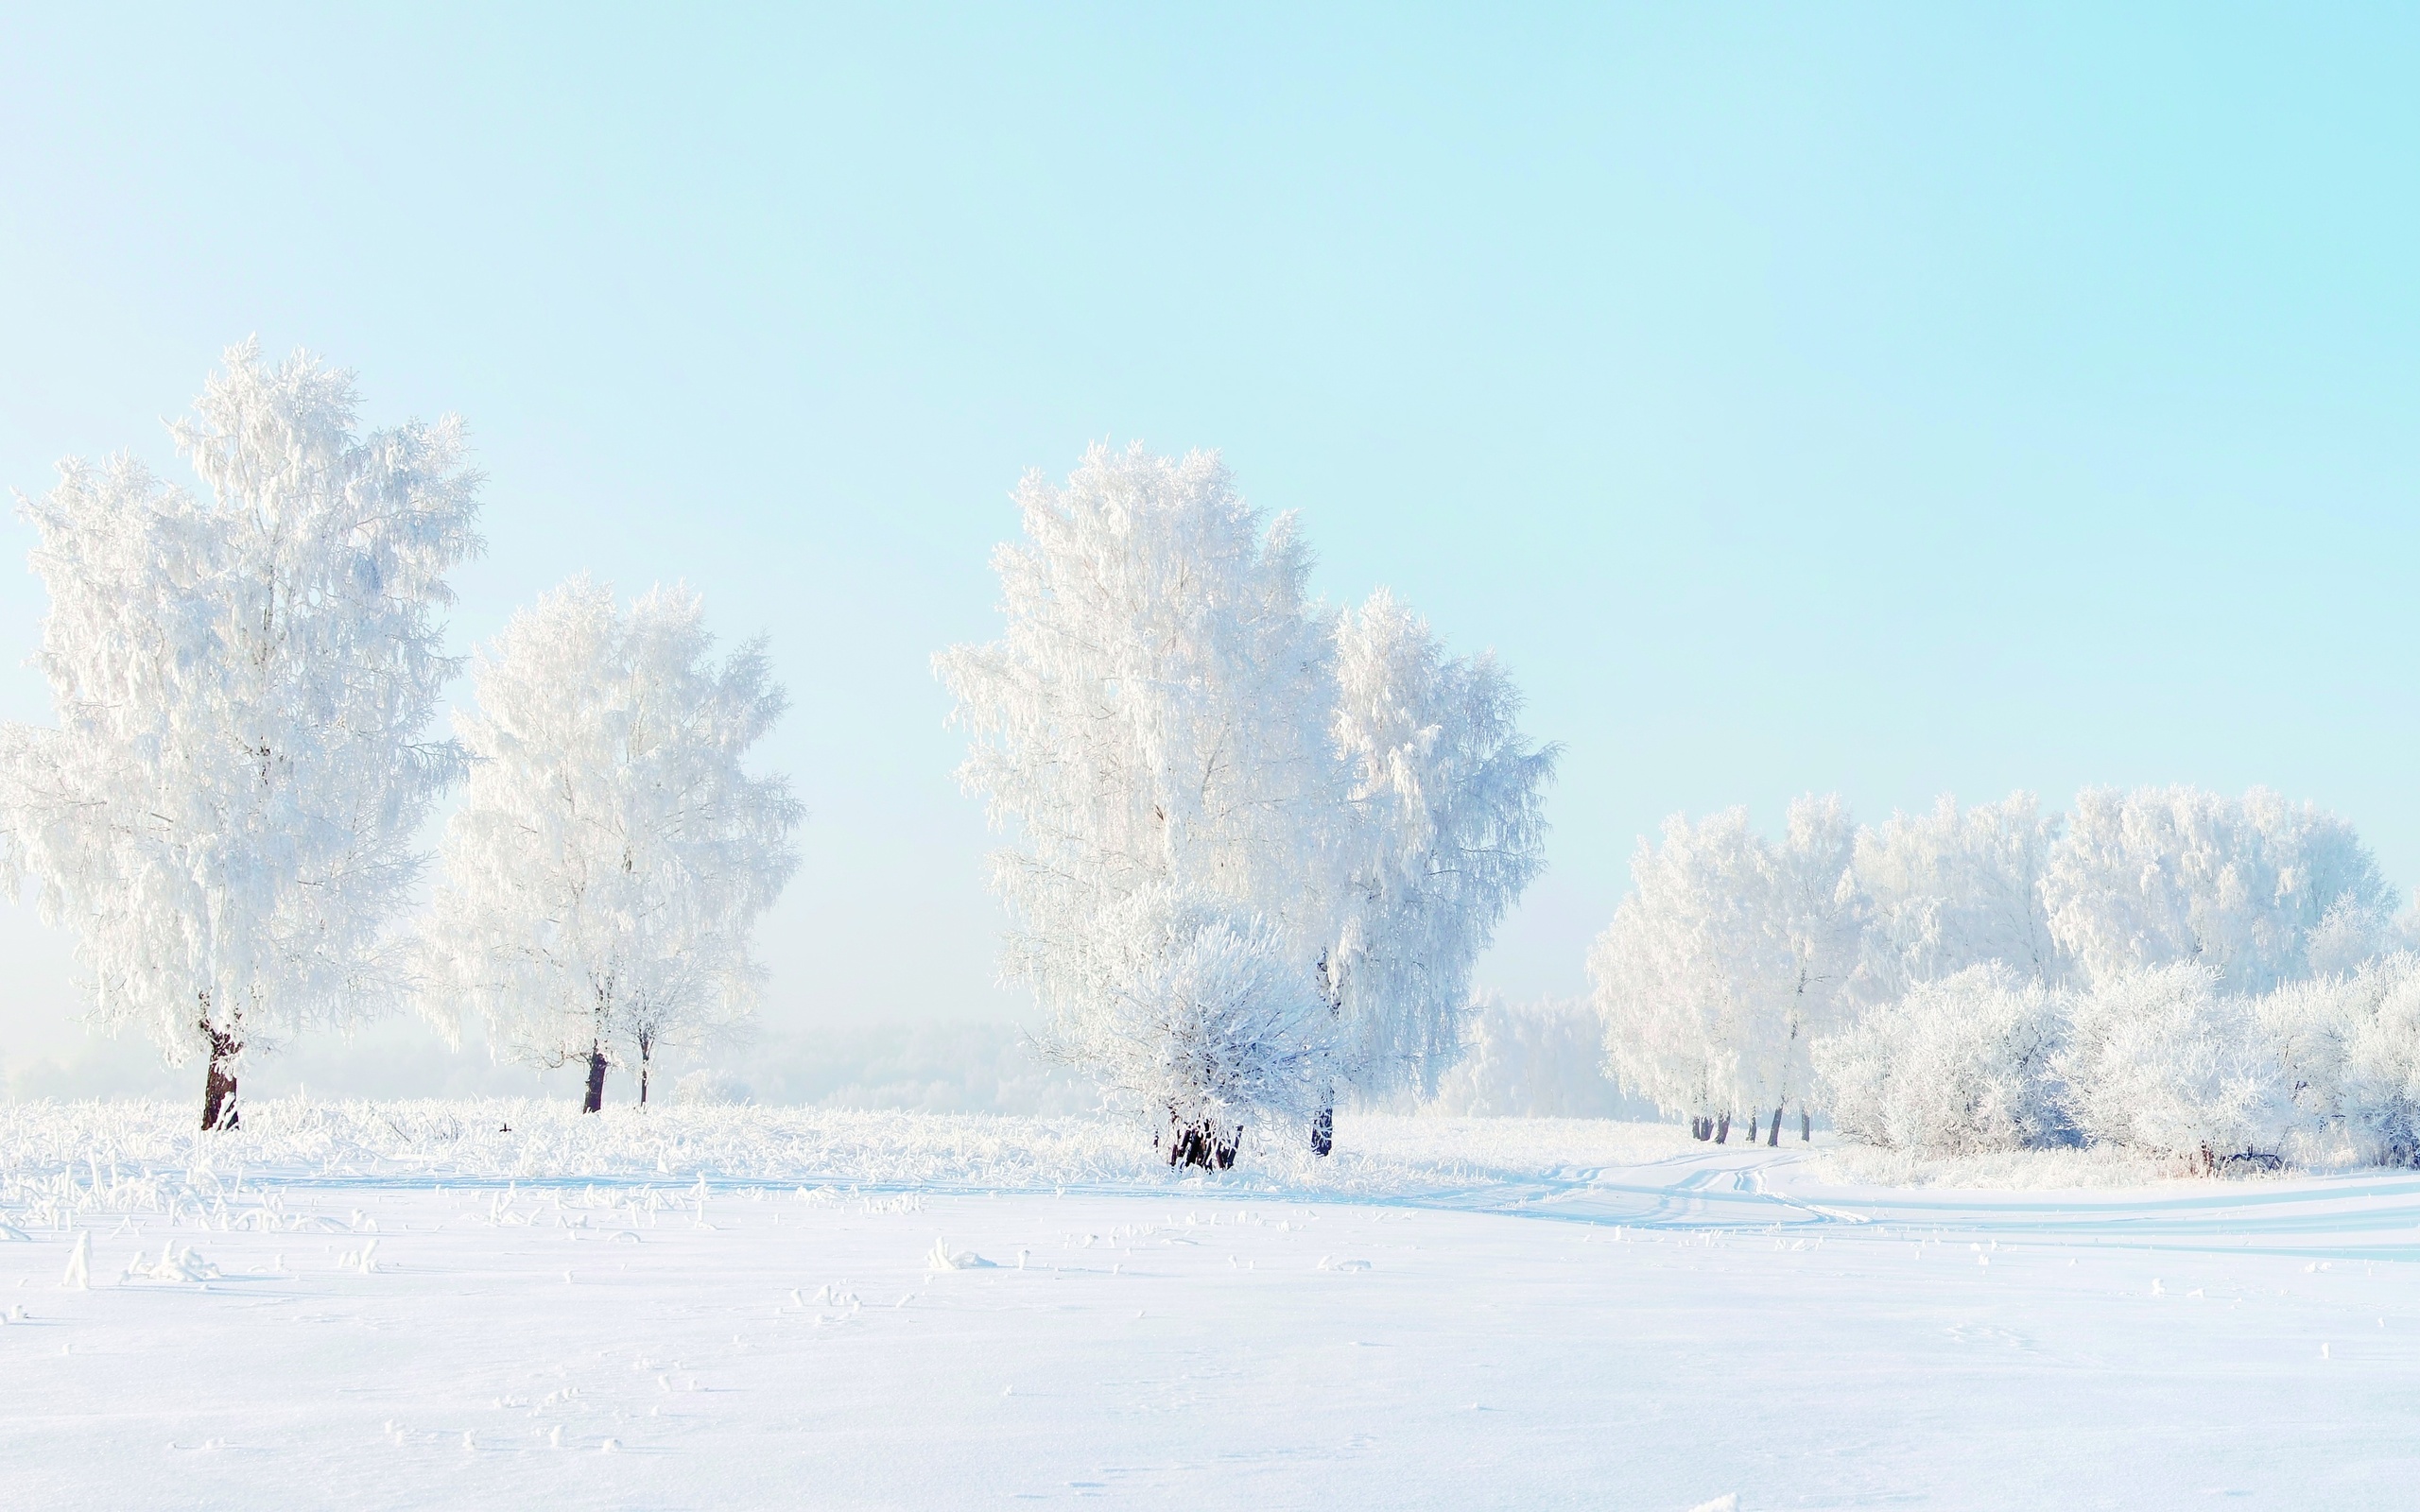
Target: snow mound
x,y
945,1258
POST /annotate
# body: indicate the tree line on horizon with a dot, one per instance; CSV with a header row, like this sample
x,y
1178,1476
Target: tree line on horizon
x,y
2166,969
1254,845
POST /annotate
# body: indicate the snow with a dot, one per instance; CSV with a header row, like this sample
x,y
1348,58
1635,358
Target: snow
x,y
744,1307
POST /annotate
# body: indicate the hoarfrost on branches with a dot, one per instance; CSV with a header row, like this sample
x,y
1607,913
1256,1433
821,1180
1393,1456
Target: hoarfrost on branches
x,y
1959,1066
1169,726
2164,1060
2260,889
612,855
224,813
1956,888
1451,825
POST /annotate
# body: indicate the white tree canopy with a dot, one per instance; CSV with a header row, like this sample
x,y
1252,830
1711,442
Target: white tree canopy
x,y
1729,958
2259,889
1449,799
1956,888
224,813
612,855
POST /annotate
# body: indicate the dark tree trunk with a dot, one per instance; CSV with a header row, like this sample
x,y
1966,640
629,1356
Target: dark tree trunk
x,y
1324,1131
219,1087
1806,1126
1722,1128
1773,1139
1203,1146
642,1079
595,1080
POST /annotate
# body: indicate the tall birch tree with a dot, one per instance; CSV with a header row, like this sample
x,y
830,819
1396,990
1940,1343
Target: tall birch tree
x,y
610,860
243,676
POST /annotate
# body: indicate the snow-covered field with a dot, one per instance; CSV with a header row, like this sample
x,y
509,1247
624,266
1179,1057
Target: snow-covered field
x,y
403,1305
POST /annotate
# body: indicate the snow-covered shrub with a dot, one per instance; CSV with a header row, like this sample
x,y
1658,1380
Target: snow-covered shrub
x,y
2350,1047
1532,1060
1955,1067
2163,1061
1200,1021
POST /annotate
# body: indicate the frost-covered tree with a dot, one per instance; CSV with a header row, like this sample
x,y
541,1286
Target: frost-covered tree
x,y
1954,888
2260,889
1447,829
1729,958
609,862
224,813
1182,742
1154,726
1955,1066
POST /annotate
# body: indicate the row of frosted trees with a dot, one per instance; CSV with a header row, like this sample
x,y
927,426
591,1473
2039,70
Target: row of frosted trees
x,y
1256,844
227,810
2164,970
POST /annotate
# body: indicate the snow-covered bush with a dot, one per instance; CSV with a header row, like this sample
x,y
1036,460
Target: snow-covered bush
x,y
2163,1061
2350,1048
1200,1022
1956,1066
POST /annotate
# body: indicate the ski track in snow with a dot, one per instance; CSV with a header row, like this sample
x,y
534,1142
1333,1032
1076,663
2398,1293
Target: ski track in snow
x,y
1481,1314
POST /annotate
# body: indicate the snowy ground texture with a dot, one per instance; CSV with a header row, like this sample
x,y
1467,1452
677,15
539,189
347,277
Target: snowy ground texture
x,y
402,1305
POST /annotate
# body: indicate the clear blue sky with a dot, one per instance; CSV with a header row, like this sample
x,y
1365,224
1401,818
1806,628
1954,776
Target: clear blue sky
x,y
1893,400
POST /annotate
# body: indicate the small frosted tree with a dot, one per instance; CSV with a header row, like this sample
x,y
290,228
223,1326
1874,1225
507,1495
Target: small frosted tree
x,y
1444,829
1204,1012
612,855
224,813
1729,958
